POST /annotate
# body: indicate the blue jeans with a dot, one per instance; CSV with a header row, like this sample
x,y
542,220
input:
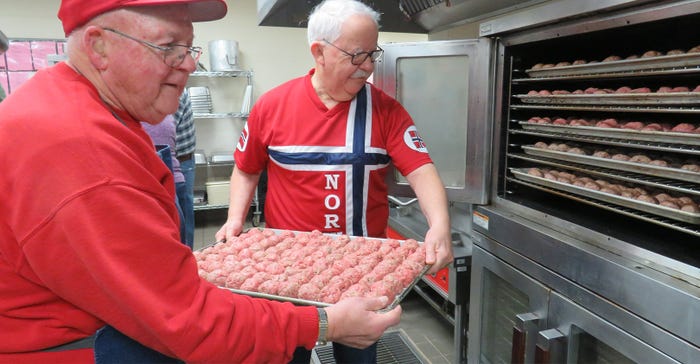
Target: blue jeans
x,y
185,196
342,354
113,347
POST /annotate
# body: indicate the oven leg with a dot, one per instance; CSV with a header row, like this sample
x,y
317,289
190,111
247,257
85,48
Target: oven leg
x,y
460,332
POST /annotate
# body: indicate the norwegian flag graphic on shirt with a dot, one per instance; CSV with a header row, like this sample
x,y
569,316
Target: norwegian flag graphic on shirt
x,y
413,139
243,140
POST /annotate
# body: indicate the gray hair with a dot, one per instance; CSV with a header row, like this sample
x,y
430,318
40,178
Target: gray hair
x,y
327,18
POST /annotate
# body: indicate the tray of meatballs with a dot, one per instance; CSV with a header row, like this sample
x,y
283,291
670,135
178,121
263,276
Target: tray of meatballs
x,y
313,268
647,61
651,164
655,132
676,207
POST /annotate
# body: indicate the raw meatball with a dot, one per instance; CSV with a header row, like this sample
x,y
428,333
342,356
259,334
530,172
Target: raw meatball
x,y
641,90
635,125
662,197
576,150
690,208
579,61
691,167
669,204
647,198
541,145
535,172
592,186
579,122
620,157
601,154
659,163
612,58
623,90
652,127
683,128
651,53
640,158
673,52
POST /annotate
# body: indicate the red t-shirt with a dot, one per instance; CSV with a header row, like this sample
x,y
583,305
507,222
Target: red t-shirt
x,y
327,168
89,236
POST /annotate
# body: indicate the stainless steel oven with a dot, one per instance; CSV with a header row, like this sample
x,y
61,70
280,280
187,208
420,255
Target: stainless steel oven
x,y
605,92
601,97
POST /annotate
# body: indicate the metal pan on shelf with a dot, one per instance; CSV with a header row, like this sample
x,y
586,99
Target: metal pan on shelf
x,y
689,217
647,169
624,134
620,66
641,99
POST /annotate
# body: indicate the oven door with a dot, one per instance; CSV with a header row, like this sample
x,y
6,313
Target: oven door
x,y
520,318
444,86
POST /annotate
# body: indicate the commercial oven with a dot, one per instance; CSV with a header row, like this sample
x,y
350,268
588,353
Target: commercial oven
x,y
585,232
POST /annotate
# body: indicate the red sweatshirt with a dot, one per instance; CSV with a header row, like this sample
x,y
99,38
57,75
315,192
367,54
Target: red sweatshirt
x,y
89,236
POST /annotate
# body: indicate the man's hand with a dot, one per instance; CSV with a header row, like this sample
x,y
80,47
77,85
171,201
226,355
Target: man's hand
x,y
354,321
229,230
438,249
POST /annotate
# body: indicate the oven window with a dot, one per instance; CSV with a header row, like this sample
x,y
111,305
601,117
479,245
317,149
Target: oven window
x,y
587,349
502,302
434,91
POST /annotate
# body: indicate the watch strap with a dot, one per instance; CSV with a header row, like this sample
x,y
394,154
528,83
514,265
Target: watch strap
x,y
322,326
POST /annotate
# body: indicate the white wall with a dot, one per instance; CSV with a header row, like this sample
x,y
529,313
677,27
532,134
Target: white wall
x,y
275,54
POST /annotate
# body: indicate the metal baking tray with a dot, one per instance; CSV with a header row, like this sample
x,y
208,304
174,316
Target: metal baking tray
x,y
650,98
689,217
631,65
620,133
647,169
397,299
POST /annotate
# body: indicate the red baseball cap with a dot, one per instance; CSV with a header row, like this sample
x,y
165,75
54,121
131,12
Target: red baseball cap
x,y
74,13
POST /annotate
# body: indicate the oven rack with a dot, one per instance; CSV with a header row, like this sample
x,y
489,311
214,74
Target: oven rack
x,y
628,143
655,219
637,109
629,177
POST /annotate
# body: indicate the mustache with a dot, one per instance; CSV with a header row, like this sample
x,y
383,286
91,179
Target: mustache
x,y
360,74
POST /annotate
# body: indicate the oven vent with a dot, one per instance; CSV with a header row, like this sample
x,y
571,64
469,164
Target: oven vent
x,y
413,7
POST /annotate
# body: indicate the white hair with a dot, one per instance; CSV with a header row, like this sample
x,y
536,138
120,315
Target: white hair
x,y
327,18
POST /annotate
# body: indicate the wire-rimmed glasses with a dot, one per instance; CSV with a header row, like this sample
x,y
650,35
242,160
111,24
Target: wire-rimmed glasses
x,y
359,58
173,54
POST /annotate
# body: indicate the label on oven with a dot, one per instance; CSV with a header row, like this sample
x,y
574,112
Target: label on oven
x,y
480,220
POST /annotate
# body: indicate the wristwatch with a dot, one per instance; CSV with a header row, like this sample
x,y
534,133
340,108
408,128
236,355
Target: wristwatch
x,y
322,326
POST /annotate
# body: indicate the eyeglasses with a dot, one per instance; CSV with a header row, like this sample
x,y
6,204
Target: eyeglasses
x,y
173,54
359,58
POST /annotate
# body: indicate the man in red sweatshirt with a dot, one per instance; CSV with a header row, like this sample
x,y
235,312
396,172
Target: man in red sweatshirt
x,y
91,264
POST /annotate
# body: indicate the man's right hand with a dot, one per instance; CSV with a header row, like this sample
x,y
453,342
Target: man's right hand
x,y
354,321
229,230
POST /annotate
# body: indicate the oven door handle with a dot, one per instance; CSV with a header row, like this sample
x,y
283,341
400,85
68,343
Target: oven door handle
x,y
550,346
525,326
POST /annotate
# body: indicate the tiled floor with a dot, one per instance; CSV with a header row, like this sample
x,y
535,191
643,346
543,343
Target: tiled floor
x,y
431,334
